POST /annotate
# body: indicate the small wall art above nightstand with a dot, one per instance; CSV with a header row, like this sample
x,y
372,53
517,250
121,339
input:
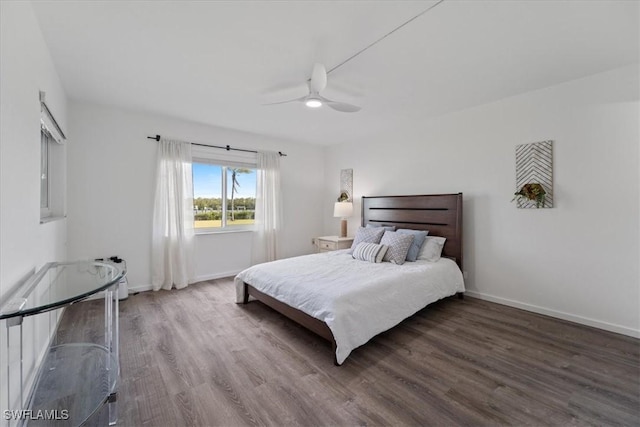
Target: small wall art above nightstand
x,y
333,243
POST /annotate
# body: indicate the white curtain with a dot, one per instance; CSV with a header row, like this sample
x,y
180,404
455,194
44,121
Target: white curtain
x,y
268,208
173,237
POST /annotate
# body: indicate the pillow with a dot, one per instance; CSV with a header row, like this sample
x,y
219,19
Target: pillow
x,y
371,252
399,245
432,248
366,235
386,227
418,240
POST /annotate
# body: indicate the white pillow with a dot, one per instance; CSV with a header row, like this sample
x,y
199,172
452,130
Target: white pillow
x,y
371,252
432,248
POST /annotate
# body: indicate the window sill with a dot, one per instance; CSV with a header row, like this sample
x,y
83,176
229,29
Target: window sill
x,y
52,218
204,233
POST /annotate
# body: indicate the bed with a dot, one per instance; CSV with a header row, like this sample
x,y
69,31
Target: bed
x,y
347,301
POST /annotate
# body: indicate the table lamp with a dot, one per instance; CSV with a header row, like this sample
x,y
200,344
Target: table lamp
x,y
343,210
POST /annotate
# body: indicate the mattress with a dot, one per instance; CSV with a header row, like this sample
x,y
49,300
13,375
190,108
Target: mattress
x,y
356,299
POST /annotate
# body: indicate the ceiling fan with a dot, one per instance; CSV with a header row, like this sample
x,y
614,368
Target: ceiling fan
x,y
317,83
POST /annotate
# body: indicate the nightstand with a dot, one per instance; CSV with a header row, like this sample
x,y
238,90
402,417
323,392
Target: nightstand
x,y
333,243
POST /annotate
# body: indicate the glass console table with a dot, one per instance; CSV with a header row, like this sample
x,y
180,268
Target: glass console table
x,y
74,380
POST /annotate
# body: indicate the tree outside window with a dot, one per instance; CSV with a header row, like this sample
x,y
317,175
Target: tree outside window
x,y
223,196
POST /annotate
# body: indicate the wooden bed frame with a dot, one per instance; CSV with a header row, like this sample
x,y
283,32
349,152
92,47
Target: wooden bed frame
x,y
441,214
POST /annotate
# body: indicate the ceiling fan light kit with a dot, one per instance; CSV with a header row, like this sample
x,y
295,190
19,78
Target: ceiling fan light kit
x,y
313,102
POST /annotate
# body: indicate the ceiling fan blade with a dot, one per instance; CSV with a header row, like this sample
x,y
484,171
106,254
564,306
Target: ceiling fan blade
x,y
318,78
286,88
343,107
290,100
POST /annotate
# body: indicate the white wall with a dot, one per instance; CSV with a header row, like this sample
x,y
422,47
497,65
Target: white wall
x,y
25,244
578,260
111,183
26,68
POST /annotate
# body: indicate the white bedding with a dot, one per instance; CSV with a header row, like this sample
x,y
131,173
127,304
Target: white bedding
x,y
356,299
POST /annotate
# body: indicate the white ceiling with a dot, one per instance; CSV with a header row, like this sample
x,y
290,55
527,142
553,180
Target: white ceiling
x,y
216,62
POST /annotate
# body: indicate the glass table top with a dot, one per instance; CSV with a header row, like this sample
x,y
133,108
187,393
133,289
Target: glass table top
x,y
60,283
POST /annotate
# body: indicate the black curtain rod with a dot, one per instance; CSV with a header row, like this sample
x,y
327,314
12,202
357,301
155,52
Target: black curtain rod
x,y
226,147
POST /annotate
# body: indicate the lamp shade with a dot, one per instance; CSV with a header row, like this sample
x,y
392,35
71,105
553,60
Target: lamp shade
x,y
342,209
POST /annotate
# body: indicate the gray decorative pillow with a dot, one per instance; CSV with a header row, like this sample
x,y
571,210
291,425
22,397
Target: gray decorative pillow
x,y
399,245
366,235
432,248
386,227
371,252
418,240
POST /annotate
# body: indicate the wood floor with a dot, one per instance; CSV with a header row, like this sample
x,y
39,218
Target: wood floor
x,y
194,357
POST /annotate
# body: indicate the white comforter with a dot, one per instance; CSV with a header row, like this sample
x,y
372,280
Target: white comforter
x,y
356,299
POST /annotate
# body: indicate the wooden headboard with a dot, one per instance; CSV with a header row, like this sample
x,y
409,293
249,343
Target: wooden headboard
x,y
441,214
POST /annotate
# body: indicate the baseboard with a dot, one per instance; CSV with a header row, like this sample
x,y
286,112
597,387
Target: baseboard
x,y
140,288
217,275
149,287
557,314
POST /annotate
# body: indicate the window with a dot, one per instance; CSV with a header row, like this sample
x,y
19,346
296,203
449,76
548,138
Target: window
x,y
52,166
224,195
